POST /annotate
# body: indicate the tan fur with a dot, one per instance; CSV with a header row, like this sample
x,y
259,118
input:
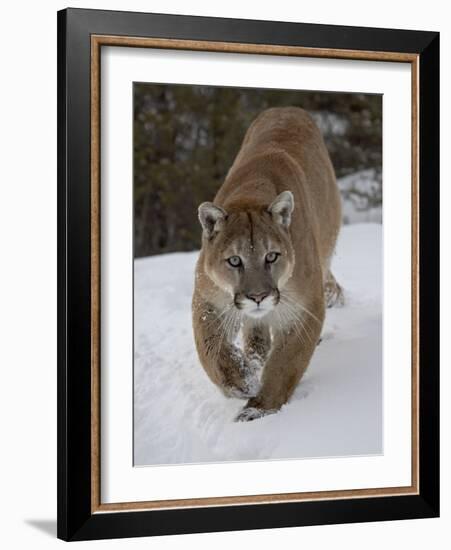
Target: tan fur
x,y
283,150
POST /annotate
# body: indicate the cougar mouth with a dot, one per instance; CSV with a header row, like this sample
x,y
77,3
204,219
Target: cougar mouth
x,y
257,306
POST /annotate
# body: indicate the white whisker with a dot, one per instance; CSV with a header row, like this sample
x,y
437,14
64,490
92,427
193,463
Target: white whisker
x,y
296,319
290,300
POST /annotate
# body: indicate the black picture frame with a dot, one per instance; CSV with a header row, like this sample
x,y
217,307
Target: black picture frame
x,y
76,519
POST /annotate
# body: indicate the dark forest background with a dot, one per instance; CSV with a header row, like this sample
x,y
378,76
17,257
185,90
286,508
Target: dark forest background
x,y
186,137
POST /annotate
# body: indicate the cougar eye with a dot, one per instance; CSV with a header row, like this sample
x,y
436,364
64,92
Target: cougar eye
x,y
271,257
234,261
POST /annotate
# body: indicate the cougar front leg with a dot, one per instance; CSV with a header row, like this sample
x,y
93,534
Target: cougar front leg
x,y
224,363
257,344
290,356
257,340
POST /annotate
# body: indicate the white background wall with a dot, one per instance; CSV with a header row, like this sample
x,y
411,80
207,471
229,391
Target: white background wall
x,y
28,271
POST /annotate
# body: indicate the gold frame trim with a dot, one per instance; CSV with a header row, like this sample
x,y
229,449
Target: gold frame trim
x,y
97,41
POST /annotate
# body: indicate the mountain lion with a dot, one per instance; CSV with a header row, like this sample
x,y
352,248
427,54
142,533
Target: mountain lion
x,y
263,279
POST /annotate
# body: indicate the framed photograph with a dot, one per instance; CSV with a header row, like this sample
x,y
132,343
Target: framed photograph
x,y
248,274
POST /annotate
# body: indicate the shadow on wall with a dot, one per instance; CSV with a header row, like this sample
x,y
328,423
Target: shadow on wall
x,y
47,526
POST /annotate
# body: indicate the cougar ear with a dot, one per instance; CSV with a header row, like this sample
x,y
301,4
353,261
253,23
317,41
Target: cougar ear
x,y
211,218
282,207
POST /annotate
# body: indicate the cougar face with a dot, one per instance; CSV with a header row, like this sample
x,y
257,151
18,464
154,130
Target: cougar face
x,y
248,253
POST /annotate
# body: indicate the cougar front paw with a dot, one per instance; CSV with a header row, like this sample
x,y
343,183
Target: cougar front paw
x,y
238,392
252,413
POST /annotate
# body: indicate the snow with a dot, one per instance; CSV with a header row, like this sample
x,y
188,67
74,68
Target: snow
x,y
357,190
181,417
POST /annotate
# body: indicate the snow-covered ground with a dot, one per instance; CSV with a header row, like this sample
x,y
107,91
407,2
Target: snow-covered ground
x,y
181,417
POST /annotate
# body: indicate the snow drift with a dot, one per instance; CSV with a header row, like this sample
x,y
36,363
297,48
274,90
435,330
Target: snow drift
x,y
181,417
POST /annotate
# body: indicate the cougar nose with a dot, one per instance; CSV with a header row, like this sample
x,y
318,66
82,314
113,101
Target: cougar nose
x,y
257,298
